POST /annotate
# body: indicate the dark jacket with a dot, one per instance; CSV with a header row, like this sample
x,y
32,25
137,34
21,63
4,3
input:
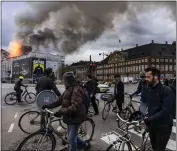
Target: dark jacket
x,y
166,82
73,109
18,85
160,105
142,88
91,87
119,91
46,83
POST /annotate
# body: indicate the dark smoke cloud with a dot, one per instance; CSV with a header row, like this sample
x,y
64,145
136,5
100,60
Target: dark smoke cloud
x,y
68,25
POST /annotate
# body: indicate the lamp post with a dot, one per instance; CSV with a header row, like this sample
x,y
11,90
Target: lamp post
x,y
103,54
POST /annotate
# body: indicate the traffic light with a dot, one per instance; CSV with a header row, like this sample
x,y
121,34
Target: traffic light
x,y
91,67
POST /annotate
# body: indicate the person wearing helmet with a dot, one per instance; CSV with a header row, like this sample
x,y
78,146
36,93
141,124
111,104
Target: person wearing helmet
x,y
72,109
142,88
18,89
46,83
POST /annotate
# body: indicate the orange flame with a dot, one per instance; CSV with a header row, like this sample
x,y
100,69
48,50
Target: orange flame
x,y
15,49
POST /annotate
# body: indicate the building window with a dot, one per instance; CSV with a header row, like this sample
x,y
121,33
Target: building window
x,y
157,66
161,60
152,60
153,65
139,61
142,67
139,68
174,67
136,61
161,67
170,60
145,66
166,67
145,60
157,60
166,60
142,60
170,67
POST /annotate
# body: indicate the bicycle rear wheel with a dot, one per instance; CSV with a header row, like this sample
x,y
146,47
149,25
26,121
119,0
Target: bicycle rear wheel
x,y
147,144
86,130
36,140
106,110
126,146
29,122
11,98
30,98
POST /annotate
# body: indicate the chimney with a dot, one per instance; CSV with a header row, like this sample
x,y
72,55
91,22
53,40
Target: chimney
x,y
136,45
166,42
152,41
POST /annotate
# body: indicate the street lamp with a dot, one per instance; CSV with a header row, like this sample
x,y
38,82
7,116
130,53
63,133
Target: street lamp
x,y
103,54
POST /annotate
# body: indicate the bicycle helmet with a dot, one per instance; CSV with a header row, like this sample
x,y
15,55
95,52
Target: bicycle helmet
x,y
21,77
69,77
48,71
142,74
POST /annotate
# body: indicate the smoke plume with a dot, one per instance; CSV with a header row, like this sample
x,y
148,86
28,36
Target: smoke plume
x,y
69,25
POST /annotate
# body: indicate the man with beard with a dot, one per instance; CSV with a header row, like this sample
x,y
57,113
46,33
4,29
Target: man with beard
x,y
160,110
142,88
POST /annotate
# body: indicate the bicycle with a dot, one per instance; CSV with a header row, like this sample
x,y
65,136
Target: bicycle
x,y
34,122
123,141
48,130
11,98
109,99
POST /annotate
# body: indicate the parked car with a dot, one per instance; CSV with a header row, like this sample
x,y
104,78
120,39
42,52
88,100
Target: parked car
x,y
102,88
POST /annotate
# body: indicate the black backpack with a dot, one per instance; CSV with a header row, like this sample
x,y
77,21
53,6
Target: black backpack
x,y
174,100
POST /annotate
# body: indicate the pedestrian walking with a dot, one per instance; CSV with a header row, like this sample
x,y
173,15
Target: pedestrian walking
x,y
160,107
91,87
119,92
72,109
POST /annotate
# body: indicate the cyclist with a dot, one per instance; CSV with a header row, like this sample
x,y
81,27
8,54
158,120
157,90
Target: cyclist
x,y
46,83
18,89
118,92
91,86
142,88
72,110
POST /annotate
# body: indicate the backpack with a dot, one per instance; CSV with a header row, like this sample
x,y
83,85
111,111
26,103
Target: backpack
x,y
86,99
174,103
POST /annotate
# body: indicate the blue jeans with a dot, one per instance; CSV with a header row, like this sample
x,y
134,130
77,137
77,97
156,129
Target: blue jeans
x,y
73,138
143,107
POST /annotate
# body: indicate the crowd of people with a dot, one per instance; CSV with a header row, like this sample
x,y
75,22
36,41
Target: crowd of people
x,y
158,98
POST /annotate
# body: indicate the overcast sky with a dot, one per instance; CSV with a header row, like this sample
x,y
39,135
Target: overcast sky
x,y
154,25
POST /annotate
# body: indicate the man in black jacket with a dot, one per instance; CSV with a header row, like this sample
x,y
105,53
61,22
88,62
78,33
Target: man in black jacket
x,y
46,83
119,92
160,106
91,86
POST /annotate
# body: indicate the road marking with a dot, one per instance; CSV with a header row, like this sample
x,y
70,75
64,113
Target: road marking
x,y
11,128
16,115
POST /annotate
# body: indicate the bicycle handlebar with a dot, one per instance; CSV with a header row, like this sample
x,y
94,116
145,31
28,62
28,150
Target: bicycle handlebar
x,y
129,123
46,110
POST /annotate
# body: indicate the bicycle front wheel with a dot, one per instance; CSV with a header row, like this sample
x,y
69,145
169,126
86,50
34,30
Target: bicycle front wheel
x,y
38,141
10,99
86,130
30,98
29,122
106,110
120,147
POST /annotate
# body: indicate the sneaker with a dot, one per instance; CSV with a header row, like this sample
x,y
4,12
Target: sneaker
x,y
114,109
88,146
96,114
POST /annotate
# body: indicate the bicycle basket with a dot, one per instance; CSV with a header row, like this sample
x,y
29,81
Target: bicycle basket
x,y
45,97
107,97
